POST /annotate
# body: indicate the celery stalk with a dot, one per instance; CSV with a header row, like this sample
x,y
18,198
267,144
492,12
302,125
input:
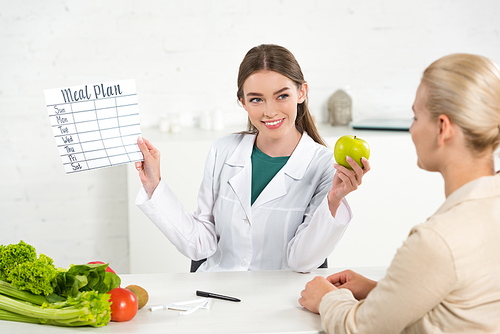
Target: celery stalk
x,y
11,316
30,310
88,308
8,290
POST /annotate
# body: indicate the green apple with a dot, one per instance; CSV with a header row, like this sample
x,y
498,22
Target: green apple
x,y
353,147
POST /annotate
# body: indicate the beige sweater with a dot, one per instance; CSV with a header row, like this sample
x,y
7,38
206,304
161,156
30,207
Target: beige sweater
x,y
444,279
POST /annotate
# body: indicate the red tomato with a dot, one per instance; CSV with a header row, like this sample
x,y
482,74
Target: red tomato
x,y
123,304
108,268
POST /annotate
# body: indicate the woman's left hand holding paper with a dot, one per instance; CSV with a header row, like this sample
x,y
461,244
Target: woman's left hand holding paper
x,y
149,169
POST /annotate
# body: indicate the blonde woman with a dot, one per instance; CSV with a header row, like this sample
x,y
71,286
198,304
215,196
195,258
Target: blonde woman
x,y
446,276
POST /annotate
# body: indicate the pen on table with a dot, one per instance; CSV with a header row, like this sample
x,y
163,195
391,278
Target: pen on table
x,y
214,295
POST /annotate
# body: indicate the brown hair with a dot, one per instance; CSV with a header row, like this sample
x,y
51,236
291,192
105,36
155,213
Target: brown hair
x,y
466,88
270,57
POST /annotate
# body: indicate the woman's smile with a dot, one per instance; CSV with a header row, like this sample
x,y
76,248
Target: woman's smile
x,y
273,124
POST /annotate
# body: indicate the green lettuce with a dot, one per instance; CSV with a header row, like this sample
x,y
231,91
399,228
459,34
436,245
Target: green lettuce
x,y
20,266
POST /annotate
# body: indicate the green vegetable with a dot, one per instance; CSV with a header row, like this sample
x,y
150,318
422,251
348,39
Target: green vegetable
x,y
36,276
85,277
10,316
88,308
32,290
13,255
20,266
10,291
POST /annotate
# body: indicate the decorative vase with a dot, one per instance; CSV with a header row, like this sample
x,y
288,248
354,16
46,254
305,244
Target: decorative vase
x,y
340,108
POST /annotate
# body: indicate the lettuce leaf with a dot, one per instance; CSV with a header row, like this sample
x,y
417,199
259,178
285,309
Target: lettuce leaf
x,y
85,277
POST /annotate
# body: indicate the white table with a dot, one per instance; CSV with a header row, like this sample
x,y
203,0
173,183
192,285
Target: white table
x,y
269,304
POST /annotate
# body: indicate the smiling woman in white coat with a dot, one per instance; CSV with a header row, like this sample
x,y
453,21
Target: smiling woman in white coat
x,y
271,197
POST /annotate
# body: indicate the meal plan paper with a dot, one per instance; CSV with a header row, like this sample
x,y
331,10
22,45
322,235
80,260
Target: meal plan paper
x,y
95,125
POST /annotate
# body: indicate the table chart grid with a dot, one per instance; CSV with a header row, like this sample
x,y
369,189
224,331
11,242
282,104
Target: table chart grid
x,y
100,134
96,132
119,129
78,137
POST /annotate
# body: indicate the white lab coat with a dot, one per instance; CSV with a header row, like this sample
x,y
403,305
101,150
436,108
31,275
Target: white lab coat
x,y
289,226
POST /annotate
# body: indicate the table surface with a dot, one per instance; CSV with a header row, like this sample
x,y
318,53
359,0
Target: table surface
x,y
269,304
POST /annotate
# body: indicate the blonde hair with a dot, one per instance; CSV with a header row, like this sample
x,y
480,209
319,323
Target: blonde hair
x,y
466,88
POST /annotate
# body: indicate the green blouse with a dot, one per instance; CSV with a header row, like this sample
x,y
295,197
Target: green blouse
x,y
264,168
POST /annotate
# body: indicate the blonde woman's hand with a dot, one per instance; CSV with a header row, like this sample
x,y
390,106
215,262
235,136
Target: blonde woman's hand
x,y
149,169
346,181
359,285
313,293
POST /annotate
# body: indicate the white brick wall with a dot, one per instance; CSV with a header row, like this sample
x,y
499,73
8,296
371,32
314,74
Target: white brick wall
x,y
185,56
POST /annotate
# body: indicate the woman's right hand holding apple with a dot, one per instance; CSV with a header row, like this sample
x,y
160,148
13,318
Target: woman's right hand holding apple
x,y
149,169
